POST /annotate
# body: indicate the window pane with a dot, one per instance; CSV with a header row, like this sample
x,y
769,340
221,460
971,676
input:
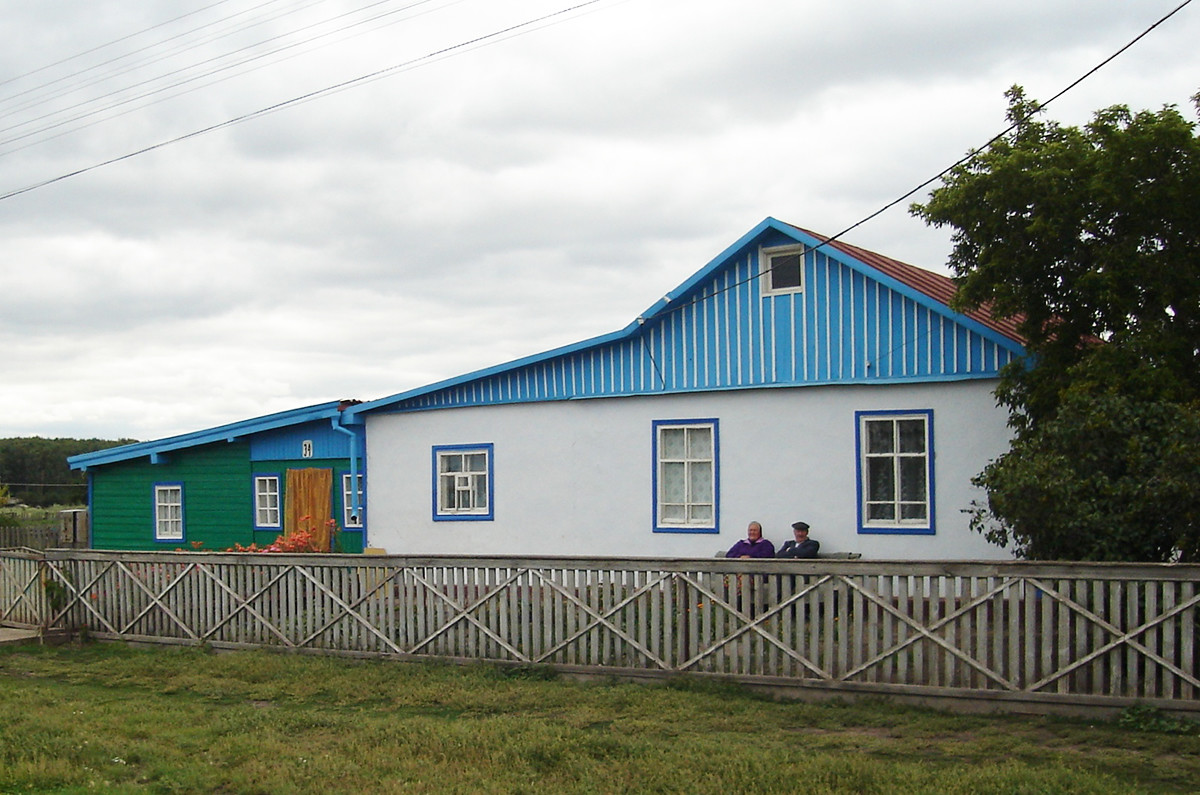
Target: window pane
x,y
673,443
672,486
476,462
785,271
699,442
912,436
885,512
881,482
701,514
673,512
912,479
879,436
912,511
446,498
700,480
450,463
480,491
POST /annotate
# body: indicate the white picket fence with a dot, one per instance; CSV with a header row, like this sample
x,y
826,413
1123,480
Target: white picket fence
x,y
1014,635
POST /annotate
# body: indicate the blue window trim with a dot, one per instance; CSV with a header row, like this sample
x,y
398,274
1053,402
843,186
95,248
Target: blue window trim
x,y
254,499
362,509
924,529
705,529
182,512
487,447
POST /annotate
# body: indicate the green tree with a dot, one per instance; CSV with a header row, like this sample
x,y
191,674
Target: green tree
x,y
1090,239
34,460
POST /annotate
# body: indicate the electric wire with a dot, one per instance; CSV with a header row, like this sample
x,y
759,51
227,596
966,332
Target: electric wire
x,y
184,81
99,47
515,30
123,56
445,52
214,71
825,241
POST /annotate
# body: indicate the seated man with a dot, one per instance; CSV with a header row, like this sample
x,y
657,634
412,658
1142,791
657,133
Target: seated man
x,y
753,545
802,547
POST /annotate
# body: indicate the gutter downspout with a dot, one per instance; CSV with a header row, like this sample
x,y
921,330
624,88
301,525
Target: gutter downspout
x,y
357,506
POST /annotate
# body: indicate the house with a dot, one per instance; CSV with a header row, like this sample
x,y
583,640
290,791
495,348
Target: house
x,y
784,380
242,483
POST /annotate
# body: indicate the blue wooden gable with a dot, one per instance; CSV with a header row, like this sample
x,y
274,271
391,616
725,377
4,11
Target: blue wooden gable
x,y
307,440
861,318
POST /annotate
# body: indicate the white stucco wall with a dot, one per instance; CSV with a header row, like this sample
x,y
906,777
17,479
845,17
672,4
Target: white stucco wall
x,y
574,477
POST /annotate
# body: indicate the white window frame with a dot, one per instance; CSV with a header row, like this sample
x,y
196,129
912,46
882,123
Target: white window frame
x,y
897,461
466,483
766,258
168,512
267,514
701,512
351,518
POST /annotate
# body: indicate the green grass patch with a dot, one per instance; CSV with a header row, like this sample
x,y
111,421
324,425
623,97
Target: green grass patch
x,y
32,516
110,718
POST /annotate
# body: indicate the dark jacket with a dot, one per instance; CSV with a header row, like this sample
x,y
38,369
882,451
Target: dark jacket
x,y
806,549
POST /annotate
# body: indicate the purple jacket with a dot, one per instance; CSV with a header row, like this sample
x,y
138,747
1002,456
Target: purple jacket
x,y
762,548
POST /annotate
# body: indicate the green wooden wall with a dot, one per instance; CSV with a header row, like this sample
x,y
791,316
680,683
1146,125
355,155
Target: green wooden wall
x,y
217,500
349,540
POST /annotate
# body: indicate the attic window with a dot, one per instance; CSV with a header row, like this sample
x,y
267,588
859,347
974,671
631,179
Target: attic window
x,y
783,269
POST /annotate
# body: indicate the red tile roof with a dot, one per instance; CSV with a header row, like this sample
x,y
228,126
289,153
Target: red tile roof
x,y
935,285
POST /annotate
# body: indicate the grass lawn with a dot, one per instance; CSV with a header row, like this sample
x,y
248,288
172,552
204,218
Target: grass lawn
x,y
107,718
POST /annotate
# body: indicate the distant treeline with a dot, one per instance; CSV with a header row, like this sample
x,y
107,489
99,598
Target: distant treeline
x,y
36,473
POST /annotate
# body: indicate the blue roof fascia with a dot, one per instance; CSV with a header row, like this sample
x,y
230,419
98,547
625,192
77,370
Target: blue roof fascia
x,y
924,299
351,415
222,433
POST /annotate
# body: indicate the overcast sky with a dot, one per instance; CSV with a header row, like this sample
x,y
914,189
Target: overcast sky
x,y
466,209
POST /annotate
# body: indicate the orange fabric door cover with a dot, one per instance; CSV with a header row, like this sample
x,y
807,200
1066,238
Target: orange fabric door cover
x,y
307,504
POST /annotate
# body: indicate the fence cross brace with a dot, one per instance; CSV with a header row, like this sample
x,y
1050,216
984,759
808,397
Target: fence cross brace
x,y
77,597
599,618
24,594
755,625
246,604
1119,637
347,610
463,613
928,632
156,600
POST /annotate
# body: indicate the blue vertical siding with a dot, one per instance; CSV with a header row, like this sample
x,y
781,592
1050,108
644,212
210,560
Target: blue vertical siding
x,y
287,442
844,327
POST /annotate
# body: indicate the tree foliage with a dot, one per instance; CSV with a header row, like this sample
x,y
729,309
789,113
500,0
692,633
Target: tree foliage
x,y
1109,477
1090,238
26,461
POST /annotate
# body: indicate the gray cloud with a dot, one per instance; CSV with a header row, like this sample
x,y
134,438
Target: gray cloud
x,y
486,206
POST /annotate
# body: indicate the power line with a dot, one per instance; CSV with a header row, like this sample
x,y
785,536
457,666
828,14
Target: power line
x,y
248,57
182,47
1012,126
98,47
826,241
252,58
445,52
